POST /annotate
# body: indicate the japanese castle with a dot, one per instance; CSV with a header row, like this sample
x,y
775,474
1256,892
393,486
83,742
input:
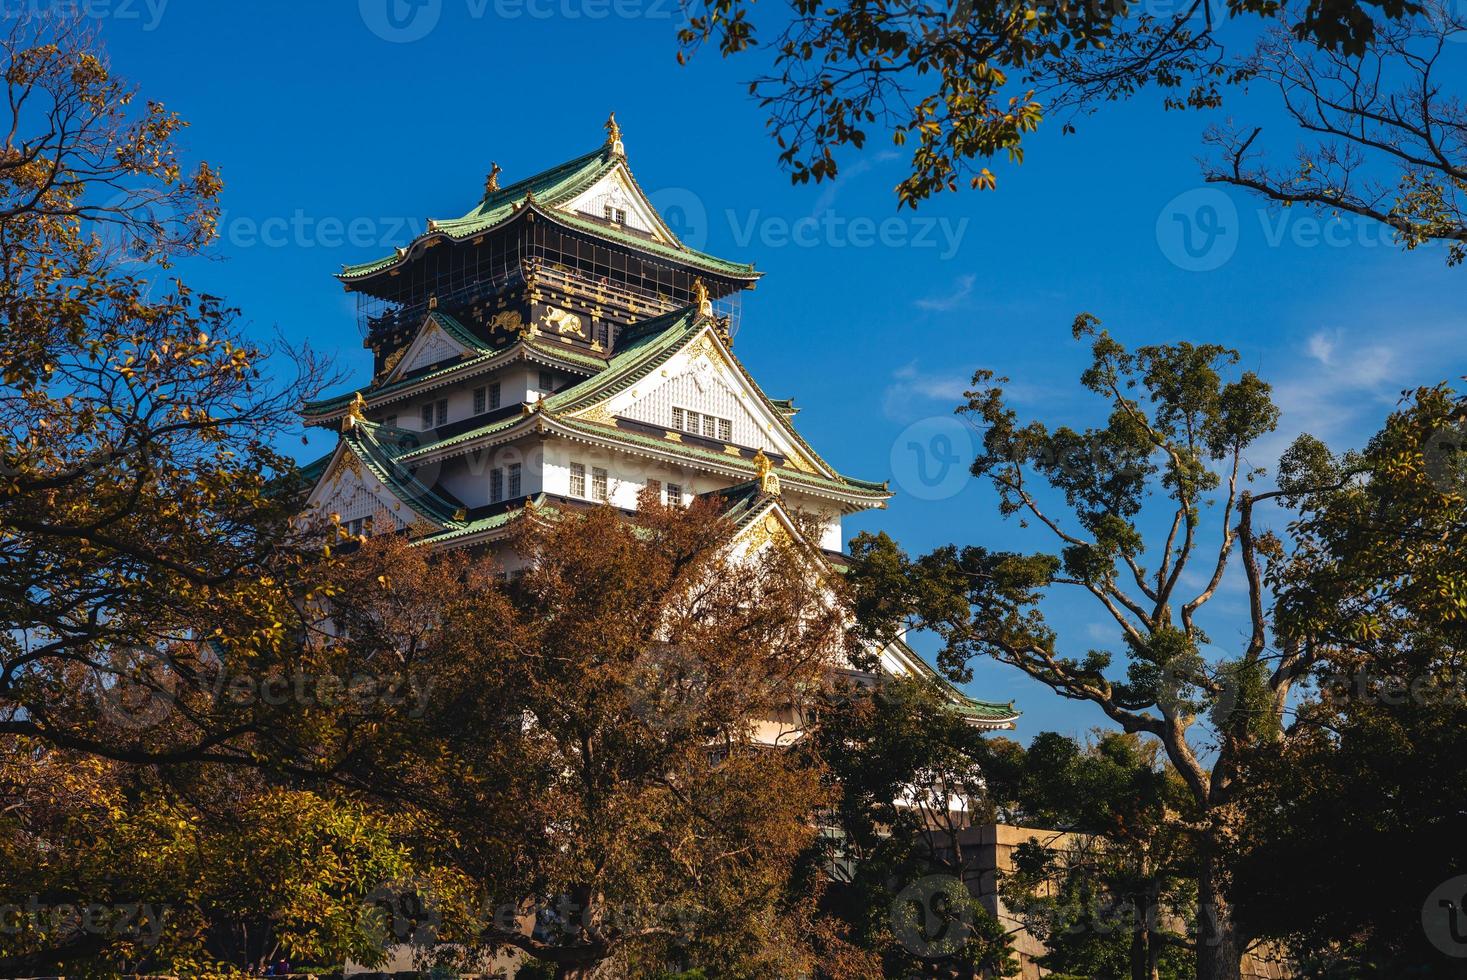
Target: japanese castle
x,y
558,346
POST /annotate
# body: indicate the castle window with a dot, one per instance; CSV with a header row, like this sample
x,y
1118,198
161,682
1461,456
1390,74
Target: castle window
x,y
496,485
674,495
547,381
598,483
443,411
435,413
390,421
616,215
494,396
698,424
514,480
428,416
578,479
479,401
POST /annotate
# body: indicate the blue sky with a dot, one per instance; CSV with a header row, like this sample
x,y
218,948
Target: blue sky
x,y
339,131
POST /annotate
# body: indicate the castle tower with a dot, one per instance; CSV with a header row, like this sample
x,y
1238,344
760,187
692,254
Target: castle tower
x,y
558,346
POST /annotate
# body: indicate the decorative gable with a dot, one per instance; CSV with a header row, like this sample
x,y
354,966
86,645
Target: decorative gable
x,y
433,345
617,198
352,492
702,380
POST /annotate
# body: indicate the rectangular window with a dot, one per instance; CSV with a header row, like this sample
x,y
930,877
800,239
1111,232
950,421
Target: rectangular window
x,y
578,479
443,411
514,480
494,396
428,416
598,483
391,421
496,485
698,424
547,381
674,496
479,401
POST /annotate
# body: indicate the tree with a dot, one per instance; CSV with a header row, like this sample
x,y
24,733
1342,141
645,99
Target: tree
x,y
1367,785
1176,432
1111,892
1390,137
112,868
908,775
592,761
144,507
967,81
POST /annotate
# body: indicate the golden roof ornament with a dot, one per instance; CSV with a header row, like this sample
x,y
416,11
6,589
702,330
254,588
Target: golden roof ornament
x,y
491,182
613,137
764,469
700,298
433,302
355,412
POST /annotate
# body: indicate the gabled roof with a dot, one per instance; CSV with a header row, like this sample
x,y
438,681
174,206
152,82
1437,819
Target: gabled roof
x,y
546,194
654,343
746,504
463,343
370,445
325,410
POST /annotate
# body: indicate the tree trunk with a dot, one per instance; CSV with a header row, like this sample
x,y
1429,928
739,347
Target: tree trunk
x,y
1219,946
1139,970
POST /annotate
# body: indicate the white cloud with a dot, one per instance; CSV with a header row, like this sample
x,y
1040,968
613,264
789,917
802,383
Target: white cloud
x,y
1345,380
913,392
826,199
962,289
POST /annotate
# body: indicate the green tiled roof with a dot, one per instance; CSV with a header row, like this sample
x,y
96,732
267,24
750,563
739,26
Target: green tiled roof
x,y
326,406
552,188
362,440
987,711
459,332
791,477
462,437
657,340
